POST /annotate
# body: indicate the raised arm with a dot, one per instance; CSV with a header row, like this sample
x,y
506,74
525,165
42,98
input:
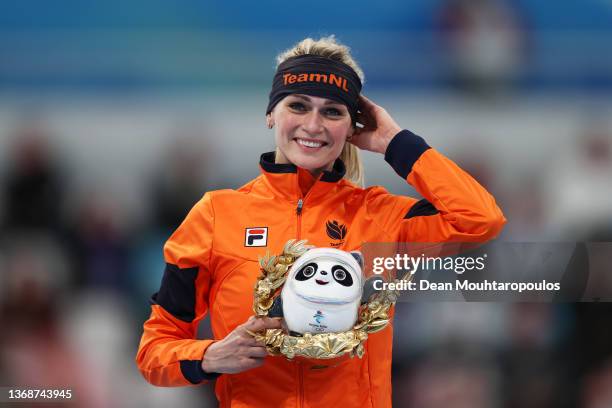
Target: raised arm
x,y
455,207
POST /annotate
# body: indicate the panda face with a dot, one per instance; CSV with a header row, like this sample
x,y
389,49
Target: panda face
x,y
338,273
326,278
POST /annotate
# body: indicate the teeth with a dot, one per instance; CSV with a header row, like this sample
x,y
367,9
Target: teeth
x,y
309,143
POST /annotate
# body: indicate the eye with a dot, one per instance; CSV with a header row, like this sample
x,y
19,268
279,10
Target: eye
x,y
309,271
339,274
306,272
297,106
342,276
333,112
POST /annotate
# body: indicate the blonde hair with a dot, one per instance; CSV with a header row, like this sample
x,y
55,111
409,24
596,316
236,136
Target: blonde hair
x,y
328,47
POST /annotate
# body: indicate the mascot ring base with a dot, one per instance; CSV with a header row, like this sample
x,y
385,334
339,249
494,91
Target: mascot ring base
x,y
373,315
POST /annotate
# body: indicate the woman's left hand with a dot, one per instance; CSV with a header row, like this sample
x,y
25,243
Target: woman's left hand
x,y
379,127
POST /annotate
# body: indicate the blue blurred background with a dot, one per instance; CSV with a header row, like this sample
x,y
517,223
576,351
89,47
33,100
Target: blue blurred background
x,y
115,117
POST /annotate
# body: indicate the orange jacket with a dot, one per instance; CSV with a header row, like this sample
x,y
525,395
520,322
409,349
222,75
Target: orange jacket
x,y
212,266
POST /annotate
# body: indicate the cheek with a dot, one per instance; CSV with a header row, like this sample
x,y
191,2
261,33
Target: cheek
x,y
285,129
339,135
287,120
277,138
340,131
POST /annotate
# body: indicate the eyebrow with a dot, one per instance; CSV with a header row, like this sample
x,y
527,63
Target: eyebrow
x,y
327,102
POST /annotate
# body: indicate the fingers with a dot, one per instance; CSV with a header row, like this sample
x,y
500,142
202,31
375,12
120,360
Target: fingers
x,y
248,346
247,339
262,323
239,351
367,113
366,105
284,325
365,98
368,121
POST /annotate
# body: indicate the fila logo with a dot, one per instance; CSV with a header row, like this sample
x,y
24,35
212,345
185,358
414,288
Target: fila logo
x,y
256,237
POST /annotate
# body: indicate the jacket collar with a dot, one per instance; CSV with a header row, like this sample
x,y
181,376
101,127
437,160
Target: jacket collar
x,y
283,178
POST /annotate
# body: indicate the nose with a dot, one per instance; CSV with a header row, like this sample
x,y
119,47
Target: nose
x,y
313,123
323,273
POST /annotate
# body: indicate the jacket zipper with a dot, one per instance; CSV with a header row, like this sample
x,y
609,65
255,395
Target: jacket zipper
x,y
298,211
300,396
300,207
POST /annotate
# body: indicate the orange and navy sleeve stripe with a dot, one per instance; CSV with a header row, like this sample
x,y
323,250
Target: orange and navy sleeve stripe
x,y
169,353
454,208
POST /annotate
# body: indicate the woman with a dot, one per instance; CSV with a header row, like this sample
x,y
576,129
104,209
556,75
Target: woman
x,y
303,192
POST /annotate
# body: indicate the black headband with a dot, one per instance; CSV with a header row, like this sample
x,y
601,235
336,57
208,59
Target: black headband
x,y
316,76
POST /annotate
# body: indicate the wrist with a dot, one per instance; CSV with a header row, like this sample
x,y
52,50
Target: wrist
x,y
196,371
388,137
208,364
404,150
208,370
206,367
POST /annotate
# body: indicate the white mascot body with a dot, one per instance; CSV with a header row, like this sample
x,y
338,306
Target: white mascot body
x,y
323,292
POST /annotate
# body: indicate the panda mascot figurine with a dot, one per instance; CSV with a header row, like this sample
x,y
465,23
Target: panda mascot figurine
x,y
322,293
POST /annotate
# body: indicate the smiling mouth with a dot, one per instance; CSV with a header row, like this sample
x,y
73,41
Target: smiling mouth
x,y
320,282
313,144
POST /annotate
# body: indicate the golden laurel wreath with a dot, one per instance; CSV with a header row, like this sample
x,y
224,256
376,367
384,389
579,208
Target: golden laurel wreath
x,y
373,315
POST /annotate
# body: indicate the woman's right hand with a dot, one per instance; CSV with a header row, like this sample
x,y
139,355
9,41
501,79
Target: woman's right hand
x,y
239,351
